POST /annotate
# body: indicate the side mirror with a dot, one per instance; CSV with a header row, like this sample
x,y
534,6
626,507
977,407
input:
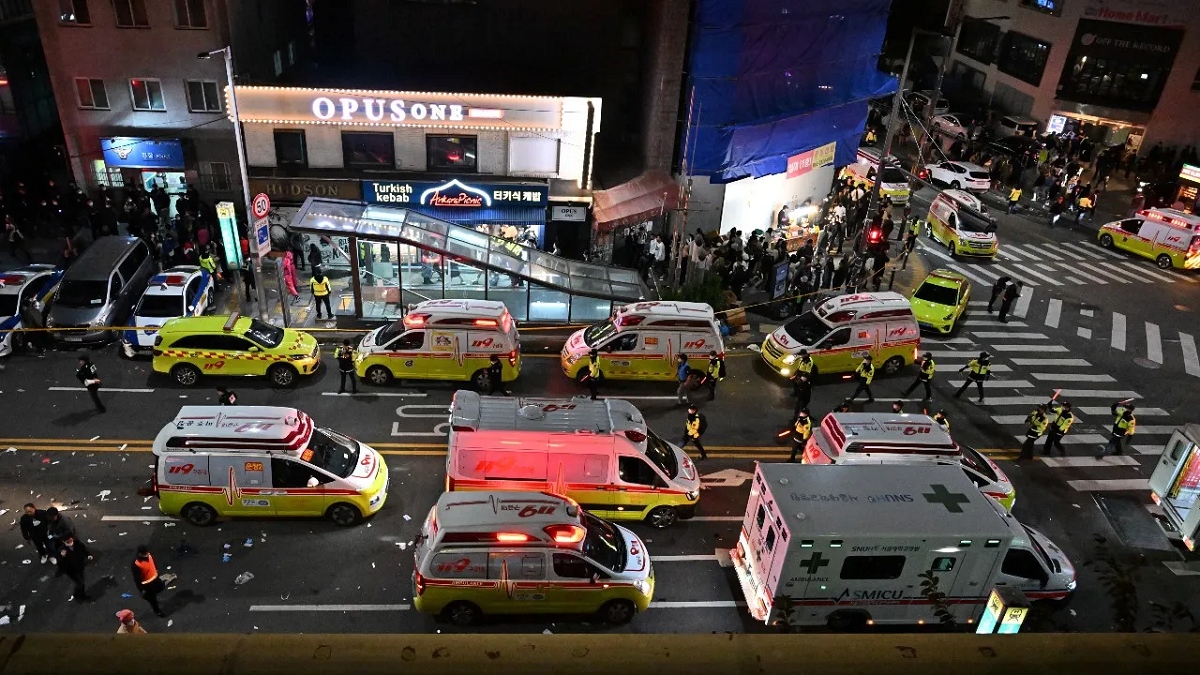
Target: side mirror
x,y
253,348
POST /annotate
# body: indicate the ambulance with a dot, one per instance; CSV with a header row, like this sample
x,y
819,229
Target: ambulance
x,y
1175,484
641,341
959,221
865,169
599,453
839,332
37,281
1169,237
850,546
526,553
900,438
261,461
442,340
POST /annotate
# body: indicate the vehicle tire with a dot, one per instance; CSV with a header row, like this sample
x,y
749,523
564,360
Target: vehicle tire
x,y
186,374
480,381
1106,240
618,612
462,613
928,230
952,249
846,621
199,514
282,375
893,365
1164,261
662,517
379,376
955,185
343,514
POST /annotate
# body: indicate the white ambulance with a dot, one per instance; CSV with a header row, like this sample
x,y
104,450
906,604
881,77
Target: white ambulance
x,y
849,546
599,453
641,341
1175,484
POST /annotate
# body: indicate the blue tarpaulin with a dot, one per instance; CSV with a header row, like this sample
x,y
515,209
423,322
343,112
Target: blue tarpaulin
x,y
774,78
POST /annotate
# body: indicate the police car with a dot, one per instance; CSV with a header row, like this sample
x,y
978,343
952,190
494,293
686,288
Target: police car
x,y
185,290
37,281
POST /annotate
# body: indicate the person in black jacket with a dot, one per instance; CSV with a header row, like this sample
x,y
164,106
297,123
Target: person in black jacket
x,y
88,376
495,372
34,528
73,558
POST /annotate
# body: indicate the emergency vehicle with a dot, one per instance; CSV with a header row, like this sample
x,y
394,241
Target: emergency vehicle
x,y
1175,484
1169,237
866,168
184,290
959,221
839,332
442,340
526,552
599,453
642,339
189,346
16,286
258,461
849,546
891,438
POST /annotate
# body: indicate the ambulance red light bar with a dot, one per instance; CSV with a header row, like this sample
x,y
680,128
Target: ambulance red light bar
x,y
565,534
14,279
486,322
415,319
632,320
512,537
635,435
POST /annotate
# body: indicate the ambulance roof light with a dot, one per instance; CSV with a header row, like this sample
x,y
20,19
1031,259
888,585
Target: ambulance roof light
x,y
635,435
565,534
486,322
512,537
233,319
631,320
413,320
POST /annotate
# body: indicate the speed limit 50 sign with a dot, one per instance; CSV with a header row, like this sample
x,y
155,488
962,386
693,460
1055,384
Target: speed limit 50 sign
x,y
261,205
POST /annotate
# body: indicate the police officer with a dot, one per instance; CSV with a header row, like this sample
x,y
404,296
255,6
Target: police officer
x,y
87,375
715,372
981,369
1058,428
1124,424
226,397
804,364
682,376
693,429
865,373
1035,426
208,262
495,373
592,379
320,290
997,291
801,430
940,418
345,359
924,377
802,390
898,408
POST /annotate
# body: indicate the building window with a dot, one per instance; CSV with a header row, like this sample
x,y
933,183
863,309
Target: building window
x,y
290,149
203,96
91,93
74,12
214,176
147,95
452,153
277,58
1113,82
1051,7
107,175
978,39
292,53
1023,57
131,13
368,151
190,14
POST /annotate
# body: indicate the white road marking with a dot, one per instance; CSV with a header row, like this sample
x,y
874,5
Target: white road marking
x,y
961,269
995,323
641,398
1028,270
1048,253
1142,270
1153,429
1077,282
1086,312
1028,252
1105,273
1111,484
1091,277
1074,377
1191,362
1086,250
1085,333
1022,308
1141,412
946,341
718,519
1016,400
1085,439
955,366
1031,348
977,303
1005,252
929,249
438,430
135,519
402,607
1017,384
394,394
682,558
1014,275
1084,462
1153,343
694,604
1069,253
1110,394
1111,254
1053,311
1010,419
441,407
1048,268
1147,449
104,389
1052,362
1014,336
1118,331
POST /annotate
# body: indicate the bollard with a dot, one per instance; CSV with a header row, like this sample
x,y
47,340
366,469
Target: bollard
x,y
892,280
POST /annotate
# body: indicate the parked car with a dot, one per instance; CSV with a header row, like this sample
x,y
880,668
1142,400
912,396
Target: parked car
x,y
1021,149
100,290
957,175
954,125
919,102
1016,125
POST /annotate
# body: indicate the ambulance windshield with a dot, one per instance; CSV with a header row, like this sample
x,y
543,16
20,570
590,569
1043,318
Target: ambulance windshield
x,y
390,331
661,454
806,328
603,543
333,452
598,333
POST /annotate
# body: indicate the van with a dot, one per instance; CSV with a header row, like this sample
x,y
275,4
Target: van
x,y
261,461
859,545
891,438
959,221
526,553
863,171
599,453
1016,125
1169,237
442,340
839,332
100,289
1175,484
642,339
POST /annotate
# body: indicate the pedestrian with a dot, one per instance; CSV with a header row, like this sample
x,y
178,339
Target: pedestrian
x,y
801,431
129,623
88,376
1013,197
1058,429
345,359
910,243
320,290
865,374
715,372
145,575
73,558
314,257
998,290
1011,293
1035,426
1056,211
925,377
495,373
594,375
981,369
59,527
802,390
693,429
940,418
16,239
898,407
1124,424
31,320
226,396
682,375
289,274
250,286
35,526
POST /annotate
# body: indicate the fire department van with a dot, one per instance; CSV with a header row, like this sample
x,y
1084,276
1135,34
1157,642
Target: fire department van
x,y
526,552
850,546
257,461
839,332
1169,237
1175,484
599,453
442,340
959,221
641,341
890,438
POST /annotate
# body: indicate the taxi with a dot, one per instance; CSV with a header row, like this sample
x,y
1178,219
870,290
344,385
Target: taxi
x,y
16,286
185,290
959,221
1169,237
189,346
940,300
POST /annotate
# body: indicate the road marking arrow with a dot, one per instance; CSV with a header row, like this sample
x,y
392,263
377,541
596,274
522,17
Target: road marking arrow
x,y
725,478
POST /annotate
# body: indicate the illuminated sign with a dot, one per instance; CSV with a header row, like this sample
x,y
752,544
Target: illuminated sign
x,y
1190,172
142,153
453,194
798,165
1056,124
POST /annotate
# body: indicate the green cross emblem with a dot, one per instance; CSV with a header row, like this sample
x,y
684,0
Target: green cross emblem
x,y
815,563
946,498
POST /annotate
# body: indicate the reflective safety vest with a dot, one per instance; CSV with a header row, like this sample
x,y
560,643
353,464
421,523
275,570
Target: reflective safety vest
x,y
1014,195
942,421
319,288
803,429
1062,423
1037,423
1126,424
927,369
866,371
209,264
804,366
693,427
714,368
146,570
979,370
594,367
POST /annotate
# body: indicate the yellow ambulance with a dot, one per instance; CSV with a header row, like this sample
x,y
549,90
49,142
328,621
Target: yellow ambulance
x,y
959,221
188,346
641,341
260,461
1169,237
526,553
442,340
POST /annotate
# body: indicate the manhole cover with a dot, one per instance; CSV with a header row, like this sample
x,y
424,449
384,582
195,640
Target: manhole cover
x,y
1147,363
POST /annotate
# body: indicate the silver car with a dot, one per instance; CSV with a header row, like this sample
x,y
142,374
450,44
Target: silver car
x,y
100,289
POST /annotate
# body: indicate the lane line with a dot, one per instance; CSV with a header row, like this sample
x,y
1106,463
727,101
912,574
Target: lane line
x,y
1004,384
1105,273
682,558
961,269
1086,312
950,341
1005,252
1147,449
1049,254
1053,311
1014,275
1031,348
1085,250
1067,252
977,303
1094,247
1153,343
104,390
1083,363
695,604
1085,333
398,394
1141,412
1118,331
1021,311
403,607
1111,394
1191,362
1154,429
1077,282
995,323
1091,277
1015,400
1086,462
1047,267
129,519
1141,269
1028,270
1014,336
1111,484
1028,252
1076,377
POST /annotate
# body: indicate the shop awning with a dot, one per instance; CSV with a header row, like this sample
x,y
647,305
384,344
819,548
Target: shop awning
x,y
642,198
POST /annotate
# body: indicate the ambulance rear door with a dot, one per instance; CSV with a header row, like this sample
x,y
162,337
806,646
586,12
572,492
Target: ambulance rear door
x,y
1175,483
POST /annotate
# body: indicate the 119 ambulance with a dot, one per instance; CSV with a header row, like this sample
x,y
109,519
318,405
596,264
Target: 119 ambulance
x,y
641,341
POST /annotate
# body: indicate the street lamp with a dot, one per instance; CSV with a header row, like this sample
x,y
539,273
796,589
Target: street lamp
x,y
227,53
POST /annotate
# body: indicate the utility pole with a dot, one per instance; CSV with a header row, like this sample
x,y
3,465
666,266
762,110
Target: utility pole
x,y
679,229
888,137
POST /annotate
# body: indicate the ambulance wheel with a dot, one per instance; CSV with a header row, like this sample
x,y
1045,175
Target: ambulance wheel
x,y
1164,261
928,230
462,613
198,514
186,374
662,517
379,375
344,515
282,375
618,612
952,249
480,380
1106,240
893,365
845,621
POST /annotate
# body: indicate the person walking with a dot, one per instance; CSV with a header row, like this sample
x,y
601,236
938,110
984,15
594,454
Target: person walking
x,y
226,396
1058,429
865,374
910,243
981,369
35,525
1056,210
314,257
682,373
289,275
73,558
802,390
321,290
801,431
1035,426
1014,196
145,575
249,286
495,371
940,418
998,290
715,372
693,429
345,359
128,623
592,379
88,376
1011,293
58,528
1124,424
925,377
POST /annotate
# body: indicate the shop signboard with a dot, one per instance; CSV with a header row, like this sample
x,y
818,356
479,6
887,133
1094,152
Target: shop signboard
x,y
800,164
142,153
283,190
1056,124
227,217
572,214
453,193
1190,172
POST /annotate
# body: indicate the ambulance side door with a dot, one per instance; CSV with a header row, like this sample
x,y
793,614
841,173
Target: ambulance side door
x,y
575,583
404,355
240,356
297,488
1127,235
619,356
447,346
946,568
866,340
637,487
524,580
832,353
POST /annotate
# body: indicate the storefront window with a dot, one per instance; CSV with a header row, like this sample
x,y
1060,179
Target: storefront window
x,y
546,304
368,151
977,39
589,310
1112,82
379,279
421,272
465,281
452,153
1023,57
289,148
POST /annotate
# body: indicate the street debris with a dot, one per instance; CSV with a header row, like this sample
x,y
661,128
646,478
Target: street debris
x,y
104,494
243,578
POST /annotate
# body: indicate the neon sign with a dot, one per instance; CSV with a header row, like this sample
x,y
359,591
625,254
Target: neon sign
x,y
465,196
348,109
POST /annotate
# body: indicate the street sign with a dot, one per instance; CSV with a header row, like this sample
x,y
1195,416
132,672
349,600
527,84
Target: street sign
x,y
261,205
262,236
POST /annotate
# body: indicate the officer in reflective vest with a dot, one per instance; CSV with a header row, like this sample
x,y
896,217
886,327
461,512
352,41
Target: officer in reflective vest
x,y
1059,428
145,574
801,431
320,290
981,369
924,377
592,379
715,372
940,418
865,373
1035,426
693,429
1124,424
804,364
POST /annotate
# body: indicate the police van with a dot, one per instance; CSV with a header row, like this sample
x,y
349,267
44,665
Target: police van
x,y
184,290
526,552
1169,237
865,170
642,339
442,340
852,545
959,221
261,461
37,281
599,453
900,438
839,332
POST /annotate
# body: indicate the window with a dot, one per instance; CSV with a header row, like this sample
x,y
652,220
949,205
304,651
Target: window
x,y
290,148
291,50
215,176
634,470
451,153
277,59
204,96
942,564
288,474
769,542
978,39
147,95
114,287
521,565
1131,225
838,337
1112,82
1051,7
91,93
230,343
1021,563
625,343
368,151
409,342
872,567
74,12
760,516
190,14
569,566
195,342
1023,57
132,262
131,13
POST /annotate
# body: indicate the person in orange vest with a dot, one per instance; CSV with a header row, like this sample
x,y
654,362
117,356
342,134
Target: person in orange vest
x,y
145,575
